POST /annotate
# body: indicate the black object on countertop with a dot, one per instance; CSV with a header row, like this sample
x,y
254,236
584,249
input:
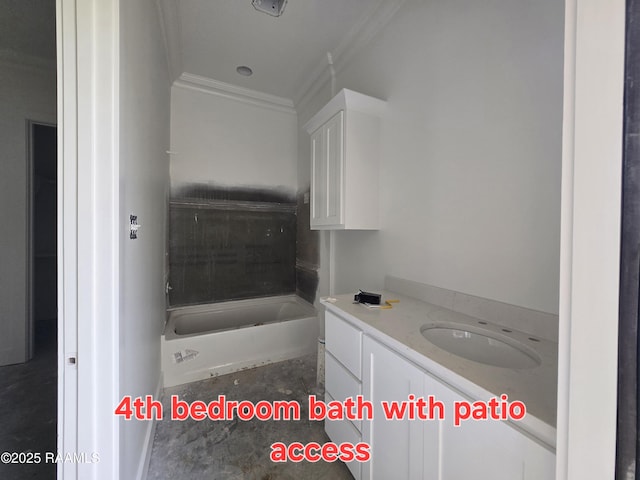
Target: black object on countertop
x,y
366,297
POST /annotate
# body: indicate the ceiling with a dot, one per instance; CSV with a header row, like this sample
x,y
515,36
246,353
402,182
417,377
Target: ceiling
x,y
210,38
216,36
28,27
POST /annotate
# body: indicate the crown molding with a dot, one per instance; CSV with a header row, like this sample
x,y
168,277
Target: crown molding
x,y
170,25
367,27
346,100
312,85
234,92
364,31
14,59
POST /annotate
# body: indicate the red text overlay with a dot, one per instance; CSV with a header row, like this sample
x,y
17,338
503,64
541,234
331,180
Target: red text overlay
x,y
413,408
313,452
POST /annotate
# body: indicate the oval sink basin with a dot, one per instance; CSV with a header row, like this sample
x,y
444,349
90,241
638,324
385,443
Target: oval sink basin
x,y
481,346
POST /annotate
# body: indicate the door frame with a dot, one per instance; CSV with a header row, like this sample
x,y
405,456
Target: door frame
x,y
88,48
590,238
88,251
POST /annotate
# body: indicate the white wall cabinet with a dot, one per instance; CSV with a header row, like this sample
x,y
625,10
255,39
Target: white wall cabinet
x,y
345,163
418,449
327,175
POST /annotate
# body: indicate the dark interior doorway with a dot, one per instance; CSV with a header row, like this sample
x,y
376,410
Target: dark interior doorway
x,y
44,234
28,391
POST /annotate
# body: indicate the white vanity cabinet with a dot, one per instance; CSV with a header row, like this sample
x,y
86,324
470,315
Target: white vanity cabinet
x,y
343,374
345,162
491,450
418,449
400,448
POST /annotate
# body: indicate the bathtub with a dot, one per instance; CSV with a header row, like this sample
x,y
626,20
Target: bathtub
x,y
204,341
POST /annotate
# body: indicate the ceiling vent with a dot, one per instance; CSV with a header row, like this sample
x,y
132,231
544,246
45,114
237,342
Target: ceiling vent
x,y
271,7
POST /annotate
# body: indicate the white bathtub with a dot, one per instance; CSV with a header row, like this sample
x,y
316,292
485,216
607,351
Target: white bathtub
x,y
204,341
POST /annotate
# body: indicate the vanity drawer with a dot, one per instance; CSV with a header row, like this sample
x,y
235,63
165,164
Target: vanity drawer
x,y
344,342
340,384
340,431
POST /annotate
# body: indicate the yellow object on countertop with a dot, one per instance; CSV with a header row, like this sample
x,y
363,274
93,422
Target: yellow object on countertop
x,y
386,306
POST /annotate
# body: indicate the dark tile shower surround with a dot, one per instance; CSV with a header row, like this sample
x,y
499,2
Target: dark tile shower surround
x,y
307,251
230,244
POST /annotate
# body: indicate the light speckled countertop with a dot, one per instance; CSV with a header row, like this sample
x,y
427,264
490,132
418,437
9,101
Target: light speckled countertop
x,y
399,327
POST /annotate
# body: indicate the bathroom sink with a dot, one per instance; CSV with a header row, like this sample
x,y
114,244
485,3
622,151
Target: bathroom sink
x,y
480,345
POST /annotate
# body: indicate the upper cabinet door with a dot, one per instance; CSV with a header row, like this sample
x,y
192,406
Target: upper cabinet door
x,y
333,130
327,173
318,178
345,163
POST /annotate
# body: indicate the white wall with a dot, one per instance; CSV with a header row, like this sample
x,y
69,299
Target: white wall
x,y
471,150
26,93
144,185
219,140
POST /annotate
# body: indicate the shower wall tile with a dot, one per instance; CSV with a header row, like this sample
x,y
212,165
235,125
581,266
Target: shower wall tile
x,y
229,250
307,251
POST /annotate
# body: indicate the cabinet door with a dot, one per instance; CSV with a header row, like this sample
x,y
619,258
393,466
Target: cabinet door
x,y
396,445
318,178
539,463
490,450
327,173
334,137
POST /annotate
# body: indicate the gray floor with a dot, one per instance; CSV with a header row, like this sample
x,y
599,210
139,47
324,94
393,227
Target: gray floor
x,y
239,449
28,414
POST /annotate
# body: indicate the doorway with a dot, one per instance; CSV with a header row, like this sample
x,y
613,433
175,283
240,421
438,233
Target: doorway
x,y
43,236
29,390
